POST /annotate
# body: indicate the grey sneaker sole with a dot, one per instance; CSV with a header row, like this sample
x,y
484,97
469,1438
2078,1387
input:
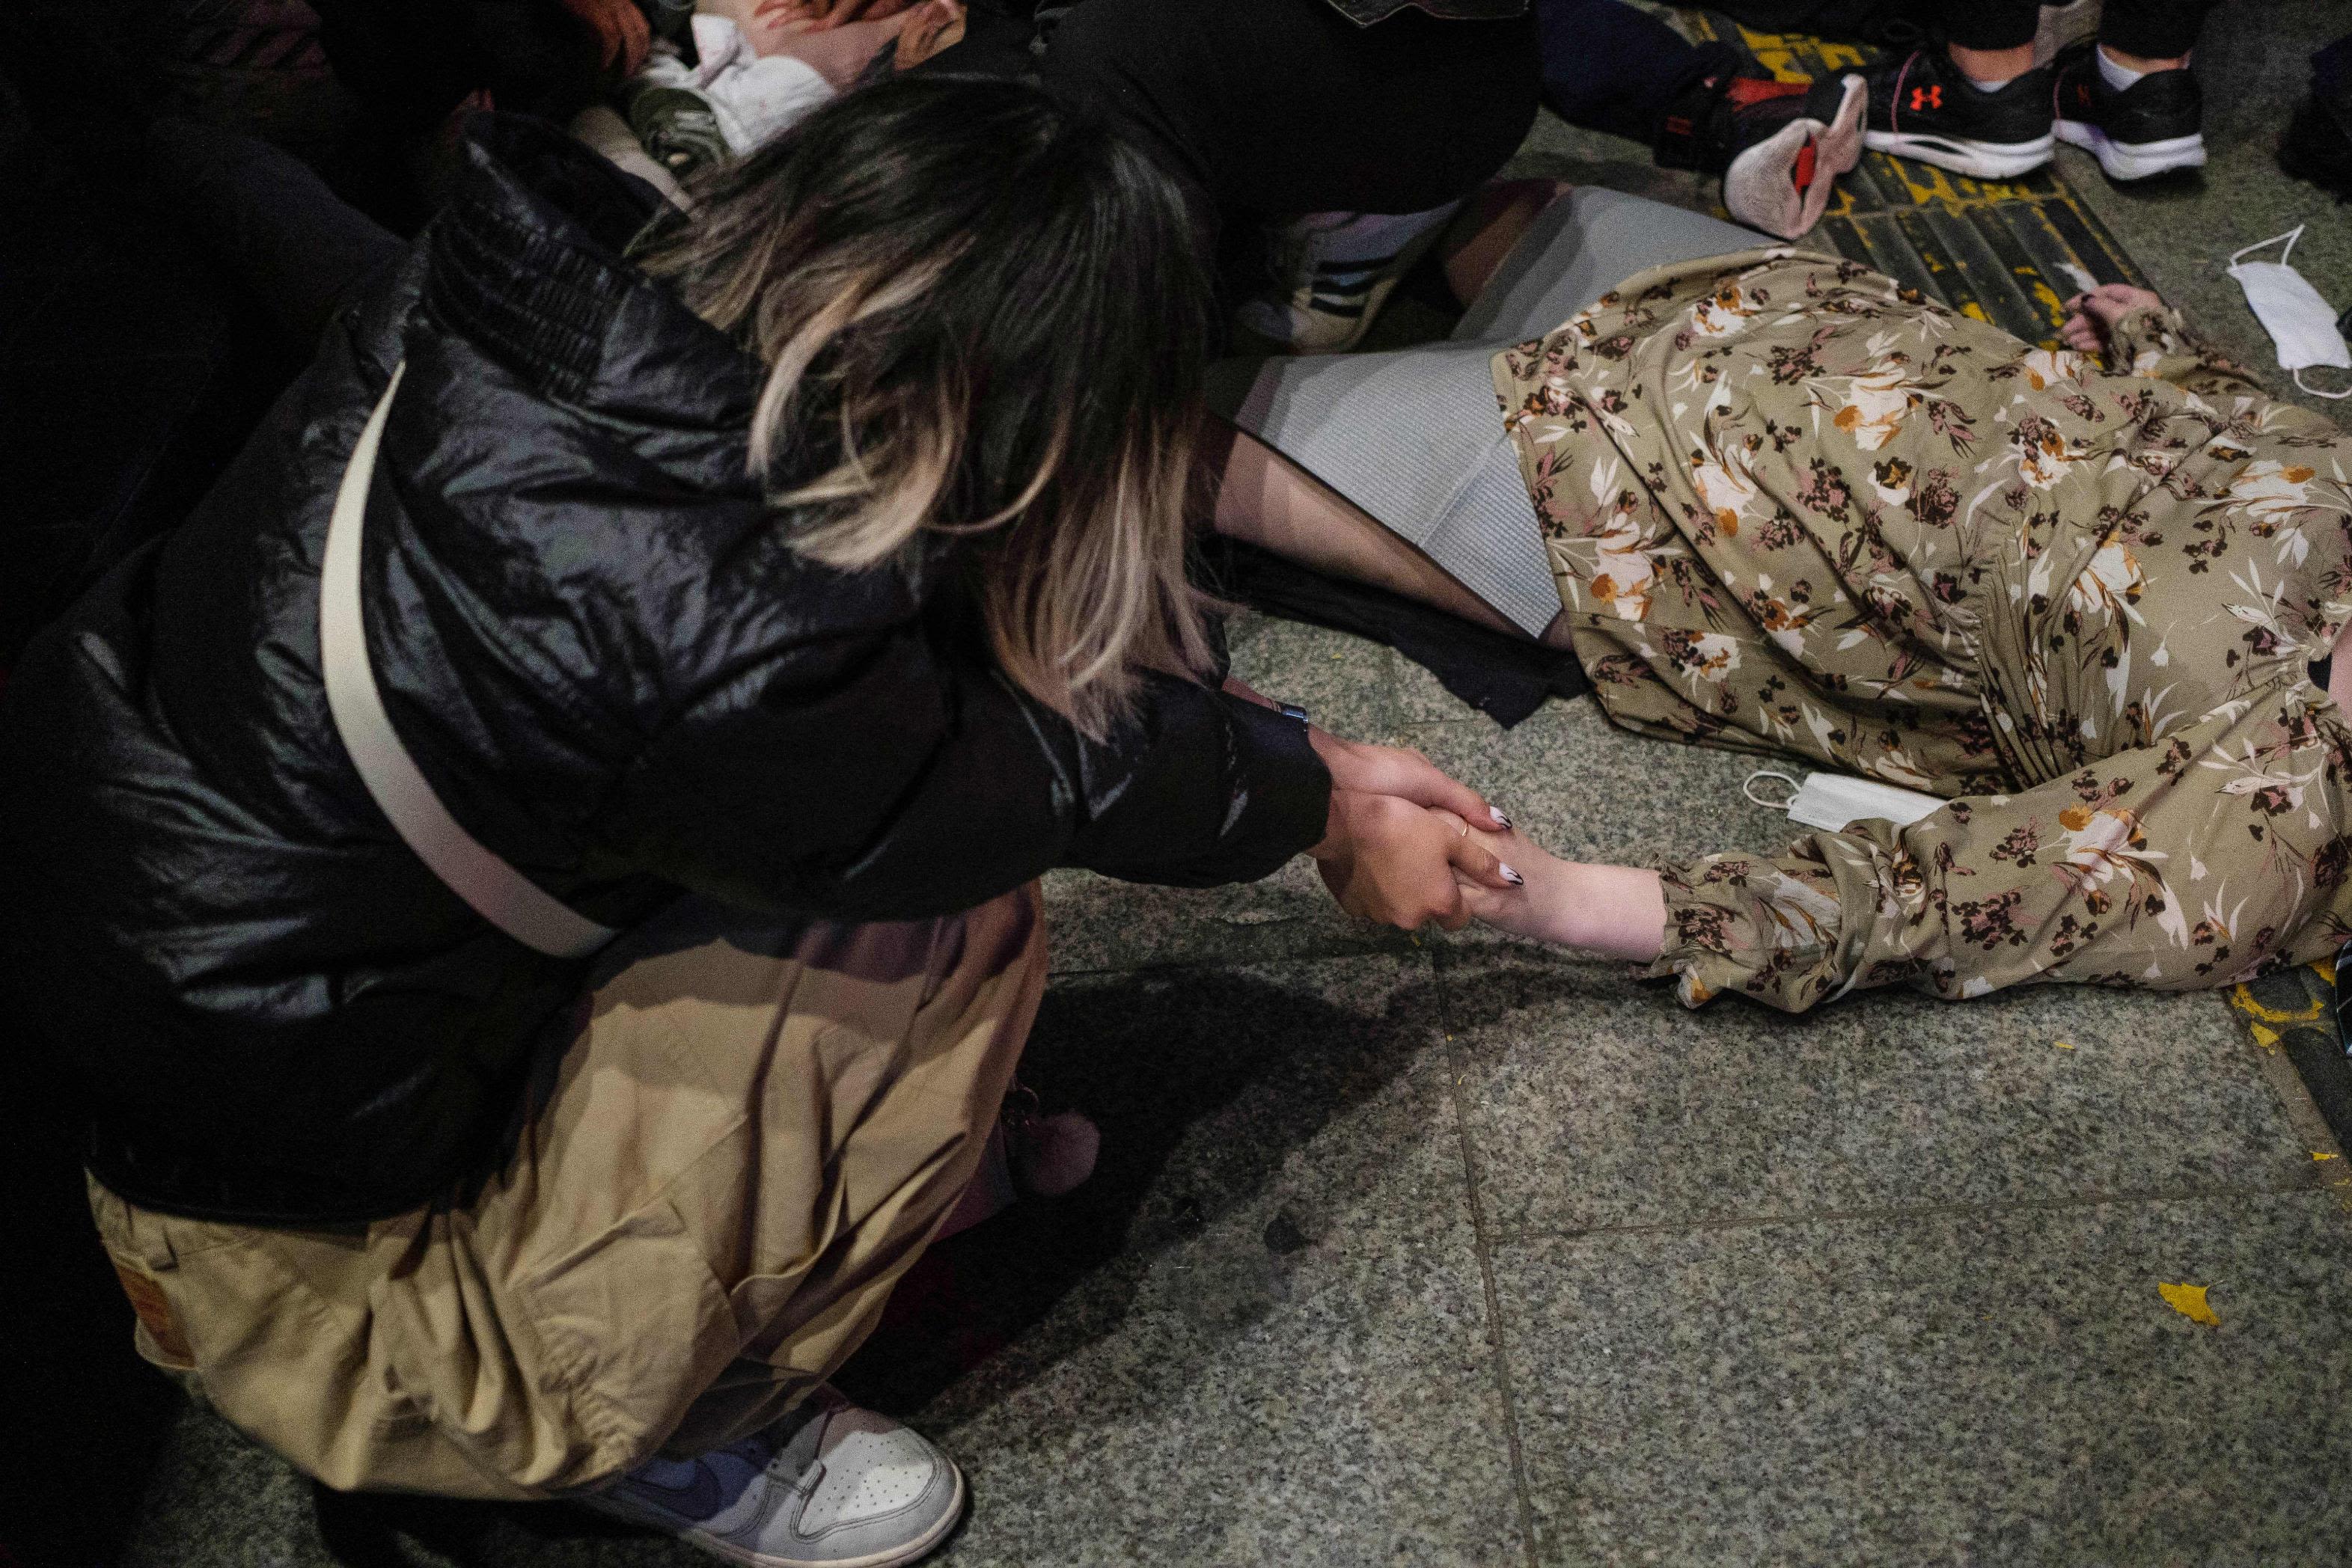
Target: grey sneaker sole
x,y
1978,160
2133,159
896,1557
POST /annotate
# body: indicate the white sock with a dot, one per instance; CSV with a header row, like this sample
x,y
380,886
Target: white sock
x,y
1989,84
2115,75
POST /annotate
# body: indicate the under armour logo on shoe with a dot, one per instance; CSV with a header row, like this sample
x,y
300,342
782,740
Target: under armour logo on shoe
x,y
1927,98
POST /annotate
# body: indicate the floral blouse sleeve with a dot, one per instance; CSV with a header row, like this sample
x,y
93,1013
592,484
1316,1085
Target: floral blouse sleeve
x,y
2155,341
2184,864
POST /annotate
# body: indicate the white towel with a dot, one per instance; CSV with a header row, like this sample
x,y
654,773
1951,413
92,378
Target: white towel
x,y
753,97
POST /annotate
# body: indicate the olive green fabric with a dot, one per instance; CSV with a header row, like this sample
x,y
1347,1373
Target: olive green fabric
x,y
1793,508
752,1137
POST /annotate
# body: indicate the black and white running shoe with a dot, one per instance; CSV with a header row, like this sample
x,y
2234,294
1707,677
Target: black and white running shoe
x,y
2152,127
1922,106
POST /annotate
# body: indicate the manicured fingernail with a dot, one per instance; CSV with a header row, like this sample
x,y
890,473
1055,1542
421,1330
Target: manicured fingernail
x,y
1514,878
1500,819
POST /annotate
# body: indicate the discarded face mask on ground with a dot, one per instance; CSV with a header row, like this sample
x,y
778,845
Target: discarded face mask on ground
x,y
2291,310
1830,800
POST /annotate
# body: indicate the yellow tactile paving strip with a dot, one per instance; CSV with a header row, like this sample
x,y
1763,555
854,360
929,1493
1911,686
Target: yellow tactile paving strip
x,y
2006,252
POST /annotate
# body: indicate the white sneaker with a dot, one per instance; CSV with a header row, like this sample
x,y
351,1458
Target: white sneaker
x,y
1333,271
830,1485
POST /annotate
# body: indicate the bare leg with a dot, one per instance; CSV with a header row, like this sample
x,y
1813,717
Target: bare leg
x,y
1265,499
1486,228
2144,64
1993,64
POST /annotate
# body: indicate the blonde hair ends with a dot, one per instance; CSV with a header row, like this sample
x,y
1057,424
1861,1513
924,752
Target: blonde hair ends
x,y
872,428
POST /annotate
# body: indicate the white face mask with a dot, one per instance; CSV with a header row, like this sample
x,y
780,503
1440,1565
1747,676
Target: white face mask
x,y
2291,310
1830,800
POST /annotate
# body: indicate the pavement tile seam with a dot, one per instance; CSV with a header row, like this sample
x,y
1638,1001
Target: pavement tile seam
x,y
1482,1240
1904,1213
1980,1389
1177,966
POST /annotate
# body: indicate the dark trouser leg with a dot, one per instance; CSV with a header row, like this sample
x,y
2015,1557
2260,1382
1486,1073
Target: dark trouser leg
x,y
1992,24
2153,29
1285,106
272,223
1608,67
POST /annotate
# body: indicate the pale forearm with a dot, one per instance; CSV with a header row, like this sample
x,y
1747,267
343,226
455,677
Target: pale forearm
x,y
1618,911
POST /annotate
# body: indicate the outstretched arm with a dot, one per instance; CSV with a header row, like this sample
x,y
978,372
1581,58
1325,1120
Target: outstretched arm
x,y
2180,865
1616,911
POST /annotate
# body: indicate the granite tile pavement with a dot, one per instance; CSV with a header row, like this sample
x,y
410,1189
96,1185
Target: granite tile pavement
x,y
1453,1251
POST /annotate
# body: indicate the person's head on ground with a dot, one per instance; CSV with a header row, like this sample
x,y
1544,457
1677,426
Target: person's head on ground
x,y
983,315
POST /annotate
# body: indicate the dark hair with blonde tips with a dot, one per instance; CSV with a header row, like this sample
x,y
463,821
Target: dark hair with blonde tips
x,y
983,314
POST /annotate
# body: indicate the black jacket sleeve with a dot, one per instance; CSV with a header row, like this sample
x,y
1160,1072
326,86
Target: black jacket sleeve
x,y
887,785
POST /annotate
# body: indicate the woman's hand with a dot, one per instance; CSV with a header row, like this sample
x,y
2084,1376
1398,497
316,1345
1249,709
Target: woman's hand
x,y
2091,317
1402,772
1388,860
841,53
1384,769
1396,847
818,15
1619,911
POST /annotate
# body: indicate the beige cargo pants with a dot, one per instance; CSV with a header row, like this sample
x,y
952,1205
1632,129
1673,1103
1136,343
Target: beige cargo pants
x,y
749,1142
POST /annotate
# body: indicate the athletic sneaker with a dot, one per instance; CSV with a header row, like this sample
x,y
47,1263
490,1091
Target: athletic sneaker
x,y
830,1485
1922,106
2152,127
1332,273
1779,145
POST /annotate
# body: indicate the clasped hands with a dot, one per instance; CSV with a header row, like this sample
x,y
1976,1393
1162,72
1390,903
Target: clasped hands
x,y
1403,843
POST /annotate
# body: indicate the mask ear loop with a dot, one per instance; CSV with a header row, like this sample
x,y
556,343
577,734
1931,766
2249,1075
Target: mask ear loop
x,y
2319,392
2291,235
1748,788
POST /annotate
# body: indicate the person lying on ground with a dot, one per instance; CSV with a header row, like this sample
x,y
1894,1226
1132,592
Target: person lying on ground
x,y
536,878
2090,596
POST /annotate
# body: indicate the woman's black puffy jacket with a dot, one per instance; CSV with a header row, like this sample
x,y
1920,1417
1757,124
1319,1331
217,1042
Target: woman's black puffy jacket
x,y
601,650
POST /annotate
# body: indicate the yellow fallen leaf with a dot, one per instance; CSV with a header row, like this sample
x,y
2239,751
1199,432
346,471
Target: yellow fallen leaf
x,y
2317,1154
2188,1300
2061,1045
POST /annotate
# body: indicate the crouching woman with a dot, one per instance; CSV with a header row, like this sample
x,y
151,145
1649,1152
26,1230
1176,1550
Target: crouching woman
x,y
537,876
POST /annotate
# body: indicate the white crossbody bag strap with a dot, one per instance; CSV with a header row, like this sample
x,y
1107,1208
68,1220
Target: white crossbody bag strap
x,y
498,892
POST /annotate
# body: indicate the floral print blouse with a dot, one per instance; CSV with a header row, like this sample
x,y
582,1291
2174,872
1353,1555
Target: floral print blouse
x,y
1794,507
